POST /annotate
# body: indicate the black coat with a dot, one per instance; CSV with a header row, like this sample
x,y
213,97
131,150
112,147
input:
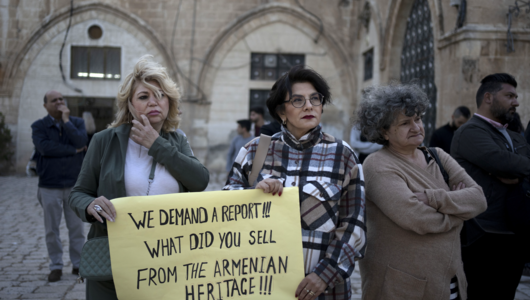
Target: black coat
x,y
58,162
484,153
442,137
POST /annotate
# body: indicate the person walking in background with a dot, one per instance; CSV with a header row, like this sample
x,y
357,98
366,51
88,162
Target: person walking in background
x,y
90,125
414,211
497,159
242,138
60,141
258,120
443,136
329,177
361,145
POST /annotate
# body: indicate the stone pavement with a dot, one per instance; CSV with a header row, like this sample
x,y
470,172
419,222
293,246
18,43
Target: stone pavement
x,y
23,256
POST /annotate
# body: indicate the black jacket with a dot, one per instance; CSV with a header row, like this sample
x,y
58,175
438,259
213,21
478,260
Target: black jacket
x,y
271,128
58,163
442,137
485,154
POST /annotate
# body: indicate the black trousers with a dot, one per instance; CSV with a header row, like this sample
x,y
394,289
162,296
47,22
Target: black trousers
x,y
493,265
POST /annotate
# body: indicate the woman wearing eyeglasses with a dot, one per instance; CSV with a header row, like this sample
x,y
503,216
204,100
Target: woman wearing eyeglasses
x,y
329,178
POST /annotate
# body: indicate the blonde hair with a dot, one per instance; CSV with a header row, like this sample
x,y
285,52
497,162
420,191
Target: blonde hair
x,y
147,70
90,125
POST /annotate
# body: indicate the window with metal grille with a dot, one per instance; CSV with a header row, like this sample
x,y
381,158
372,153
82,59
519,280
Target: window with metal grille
x,y
417,59
258,98
268,66
95,63
368,58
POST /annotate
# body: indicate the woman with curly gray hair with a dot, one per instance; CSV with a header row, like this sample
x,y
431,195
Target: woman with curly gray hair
x,y
416,201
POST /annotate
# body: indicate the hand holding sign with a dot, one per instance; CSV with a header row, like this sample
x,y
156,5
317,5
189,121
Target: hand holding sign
x,y
101,207
271,186
213,245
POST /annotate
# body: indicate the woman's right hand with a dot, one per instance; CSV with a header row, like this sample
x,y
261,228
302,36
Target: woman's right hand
x,y
271,186
107,209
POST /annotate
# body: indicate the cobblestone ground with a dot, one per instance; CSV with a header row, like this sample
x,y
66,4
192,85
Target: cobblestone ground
x,y
24,260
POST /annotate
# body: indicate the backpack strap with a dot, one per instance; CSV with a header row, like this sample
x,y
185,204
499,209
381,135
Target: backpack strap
x,y
259,159
434,154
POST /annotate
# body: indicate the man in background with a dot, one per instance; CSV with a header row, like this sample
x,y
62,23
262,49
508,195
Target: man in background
x,y
443,136
258,120
361,145
498,160
60,142
242,138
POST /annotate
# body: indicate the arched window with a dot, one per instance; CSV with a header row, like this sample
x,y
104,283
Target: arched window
x,y
417,58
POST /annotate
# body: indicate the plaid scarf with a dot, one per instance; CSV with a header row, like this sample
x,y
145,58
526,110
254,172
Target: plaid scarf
x,y
332,200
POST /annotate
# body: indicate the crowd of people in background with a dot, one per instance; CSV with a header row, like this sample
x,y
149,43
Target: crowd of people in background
x,y
448,221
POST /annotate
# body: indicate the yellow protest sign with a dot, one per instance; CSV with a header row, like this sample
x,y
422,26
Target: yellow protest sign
x,y
207,246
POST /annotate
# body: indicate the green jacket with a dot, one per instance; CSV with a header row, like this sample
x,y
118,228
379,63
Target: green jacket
x,y
102,172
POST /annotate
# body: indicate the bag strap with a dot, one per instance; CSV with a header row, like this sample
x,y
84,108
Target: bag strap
x,y
259,159
434,154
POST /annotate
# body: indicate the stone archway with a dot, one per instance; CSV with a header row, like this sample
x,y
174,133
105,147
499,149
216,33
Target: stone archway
x,y
262,16
394,31
225,78
38,62
393,48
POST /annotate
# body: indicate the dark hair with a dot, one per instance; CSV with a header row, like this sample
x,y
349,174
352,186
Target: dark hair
x,y
462,111
492,84
282,87
45,99
244,123
257,109
515,124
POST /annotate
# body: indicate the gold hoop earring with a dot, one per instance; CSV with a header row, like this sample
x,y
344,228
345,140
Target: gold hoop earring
x,y
284,122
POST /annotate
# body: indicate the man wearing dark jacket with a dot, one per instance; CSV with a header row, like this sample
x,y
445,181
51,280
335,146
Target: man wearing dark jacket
x,y
497,159
60,141
443,136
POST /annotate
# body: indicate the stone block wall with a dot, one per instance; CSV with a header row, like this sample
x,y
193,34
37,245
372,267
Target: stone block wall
x,y
202,41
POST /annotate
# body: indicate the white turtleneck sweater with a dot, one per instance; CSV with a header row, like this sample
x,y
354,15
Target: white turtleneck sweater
x,y
137,169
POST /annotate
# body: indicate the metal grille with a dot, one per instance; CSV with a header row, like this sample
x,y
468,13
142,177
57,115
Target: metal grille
x,y
269,66
417,59
258,98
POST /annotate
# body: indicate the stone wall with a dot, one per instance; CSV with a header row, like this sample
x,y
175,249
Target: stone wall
x,y
206,46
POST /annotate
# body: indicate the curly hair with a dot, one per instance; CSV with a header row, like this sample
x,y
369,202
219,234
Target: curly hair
x,y
147,70
380,105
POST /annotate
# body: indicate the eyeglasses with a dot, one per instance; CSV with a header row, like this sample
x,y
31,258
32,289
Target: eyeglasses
x,y
298,101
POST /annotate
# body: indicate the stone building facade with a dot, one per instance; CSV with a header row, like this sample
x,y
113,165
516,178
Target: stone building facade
x,y
225,53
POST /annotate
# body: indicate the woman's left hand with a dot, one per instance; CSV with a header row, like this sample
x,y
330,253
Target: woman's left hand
x,y
270,186
310,287
144,134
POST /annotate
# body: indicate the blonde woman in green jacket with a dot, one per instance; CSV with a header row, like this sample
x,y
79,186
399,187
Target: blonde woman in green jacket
x,y
139,154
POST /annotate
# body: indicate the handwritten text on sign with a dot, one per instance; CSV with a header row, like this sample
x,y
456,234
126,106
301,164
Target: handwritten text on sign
x,y
207,246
